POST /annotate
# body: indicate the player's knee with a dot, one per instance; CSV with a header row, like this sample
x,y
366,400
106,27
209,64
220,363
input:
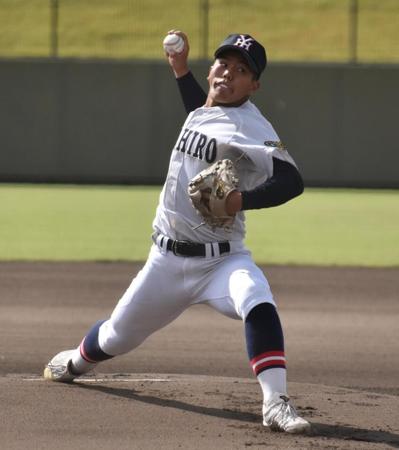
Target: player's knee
x,y
262,312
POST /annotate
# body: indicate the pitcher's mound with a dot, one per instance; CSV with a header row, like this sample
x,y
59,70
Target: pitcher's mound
x,y
164,411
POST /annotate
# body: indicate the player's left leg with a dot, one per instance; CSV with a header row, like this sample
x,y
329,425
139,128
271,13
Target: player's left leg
x,y
265,346
248,296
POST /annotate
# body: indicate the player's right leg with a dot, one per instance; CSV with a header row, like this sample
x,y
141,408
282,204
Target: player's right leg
x,y
70,364
155,298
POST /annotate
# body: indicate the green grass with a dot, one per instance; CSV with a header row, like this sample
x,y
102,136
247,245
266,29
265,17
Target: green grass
x,y
295,30
76,223
329,227
322,227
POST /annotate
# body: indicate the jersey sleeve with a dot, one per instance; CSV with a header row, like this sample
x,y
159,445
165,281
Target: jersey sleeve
x,y
271,176
258,141
191,92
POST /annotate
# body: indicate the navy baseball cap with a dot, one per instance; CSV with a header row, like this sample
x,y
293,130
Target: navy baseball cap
x,y
253,52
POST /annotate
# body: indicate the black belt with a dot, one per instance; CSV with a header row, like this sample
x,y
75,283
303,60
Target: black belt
x,y
187,248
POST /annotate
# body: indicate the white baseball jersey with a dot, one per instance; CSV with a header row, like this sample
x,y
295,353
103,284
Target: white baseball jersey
x,y
209,134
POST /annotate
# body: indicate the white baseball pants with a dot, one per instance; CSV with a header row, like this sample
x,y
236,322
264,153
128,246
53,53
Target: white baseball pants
x,y
169,284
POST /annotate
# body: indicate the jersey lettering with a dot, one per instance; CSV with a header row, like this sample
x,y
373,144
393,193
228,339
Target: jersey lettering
x,y
210,152
200,144
183,140
191,143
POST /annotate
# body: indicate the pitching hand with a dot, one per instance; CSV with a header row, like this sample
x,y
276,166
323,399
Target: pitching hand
x,y
178,61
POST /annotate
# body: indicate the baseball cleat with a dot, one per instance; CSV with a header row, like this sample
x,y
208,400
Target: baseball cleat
x,y
280,415
59,368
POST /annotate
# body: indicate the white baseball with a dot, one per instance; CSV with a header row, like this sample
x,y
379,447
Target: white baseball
x,y
173,43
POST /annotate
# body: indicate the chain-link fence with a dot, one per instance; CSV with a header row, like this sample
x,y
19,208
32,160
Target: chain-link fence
x,y
291,30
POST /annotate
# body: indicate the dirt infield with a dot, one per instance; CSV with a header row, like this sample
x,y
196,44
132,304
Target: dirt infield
x,y
189,386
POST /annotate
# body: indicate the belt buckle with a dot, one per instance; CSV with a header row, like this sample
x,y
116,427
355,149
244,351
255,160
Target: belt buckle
x,y
175,245
174,248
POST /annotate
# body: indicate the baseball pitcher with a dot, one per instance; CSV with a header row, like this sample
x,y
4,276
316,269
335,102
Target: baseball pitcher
x,y
227,159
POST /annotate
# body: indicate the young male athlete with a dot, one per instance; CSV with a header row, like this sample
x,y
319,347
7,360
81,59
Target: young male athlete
x,y
191,262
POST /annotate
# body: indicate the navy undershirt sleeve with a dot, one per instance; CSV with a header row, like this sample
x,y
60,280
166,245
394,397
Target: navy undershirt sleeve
x,y
192,94
285,184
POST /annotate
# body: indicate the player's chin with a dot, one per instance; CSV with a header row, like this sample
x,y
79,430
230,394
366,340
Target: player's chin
x,y
231,101
225,98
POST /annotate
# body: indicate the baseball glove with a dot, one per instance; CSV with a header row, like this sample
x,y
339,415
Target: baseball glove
x,y
208,192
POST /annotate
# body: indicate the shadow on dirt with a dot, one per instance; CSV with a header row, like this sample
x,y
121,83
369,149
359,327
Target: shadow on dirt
x,y
349,433
343,432
170,403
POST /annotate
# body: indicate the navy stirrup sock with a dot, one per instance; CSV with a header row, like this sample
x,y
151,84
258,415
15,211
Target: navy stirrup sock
x,y
90,350
264,338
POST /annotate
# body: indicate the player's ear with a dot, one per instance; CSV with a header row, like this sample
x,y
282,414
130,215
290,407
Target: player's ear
x,y
209,73
255,85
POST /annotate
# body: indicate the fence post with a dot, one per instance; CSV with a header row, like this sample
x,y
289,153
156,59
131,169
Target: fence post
x,y
353,30
53,28
204,29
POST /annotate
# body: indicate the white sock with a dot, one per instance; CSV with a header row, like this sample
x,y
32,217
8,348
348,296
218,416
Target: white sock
x,y
80,365
272,381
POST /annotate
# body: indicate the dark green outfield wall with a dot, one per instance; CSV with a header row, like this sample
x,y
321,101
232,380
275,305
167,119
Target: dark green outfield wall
x,y
116,122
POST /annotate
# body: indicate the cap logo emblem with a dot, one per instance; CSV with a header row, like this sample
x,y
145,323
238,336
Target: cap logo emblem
x,y
244,42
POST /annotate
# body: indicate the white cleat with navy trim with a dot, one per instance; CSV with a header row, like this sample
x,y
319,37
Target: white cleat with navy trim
x,y
59,368
280,415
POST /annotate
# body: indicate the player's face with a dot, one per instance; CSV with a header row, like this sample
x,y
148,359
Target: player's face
x,y
231,81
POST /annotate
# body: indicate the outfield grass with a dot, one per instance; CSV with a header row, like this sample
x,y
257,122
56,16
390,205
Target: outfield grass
x,y
295,30
329,227
322,227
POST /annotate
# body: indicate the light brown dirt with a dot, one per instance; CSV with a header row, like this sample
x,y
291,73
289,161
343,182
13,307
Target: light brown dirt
x,y
189,386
